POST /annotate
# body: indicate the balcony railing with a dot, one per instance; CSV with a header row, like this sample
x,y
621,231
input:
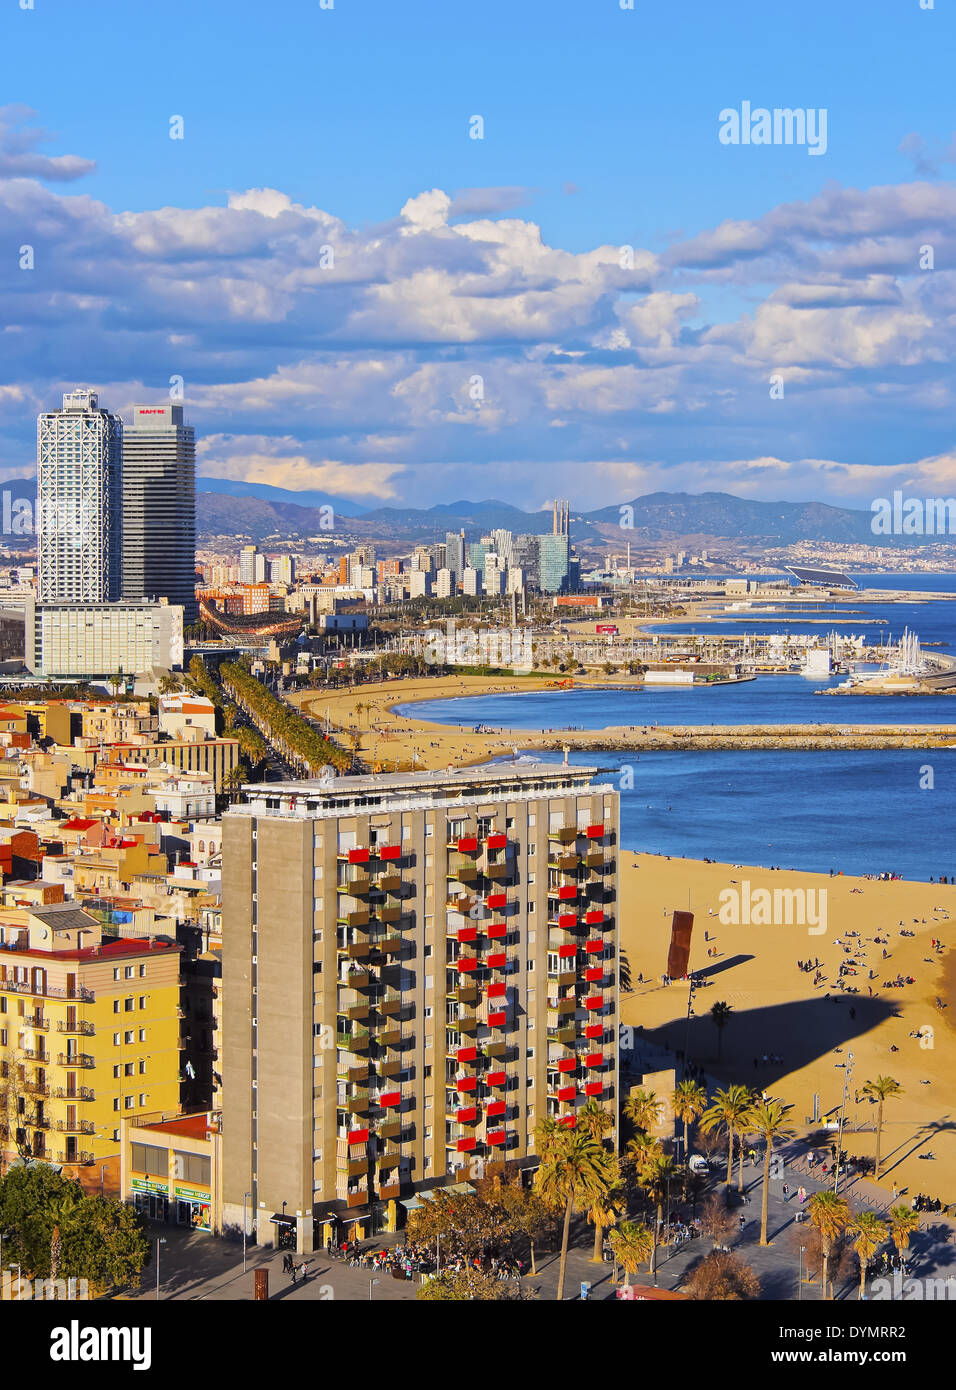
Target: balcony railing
x,y
48,991
74,1126
75,1059
77,1026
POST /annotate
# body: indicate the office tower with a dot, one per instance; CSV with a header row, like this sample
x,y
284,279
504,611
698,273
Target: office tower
x,y
524,556
248,556
553,563
420,967
445,584
455,552
419,584
79,503
159,507
101,639
494,580
561,518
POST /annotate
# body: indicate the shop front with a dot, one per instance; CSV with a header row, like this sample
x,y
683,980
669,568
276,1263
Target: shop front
x,y
193,1208
151,1198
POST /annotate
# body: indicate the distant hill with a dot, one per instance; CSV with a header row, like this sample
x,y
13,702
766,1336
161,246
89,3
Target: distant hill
x,y
231,487
738,518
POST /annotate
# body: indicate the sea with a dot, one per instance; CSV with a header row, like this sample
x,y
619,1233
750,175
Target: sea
x,y
852,811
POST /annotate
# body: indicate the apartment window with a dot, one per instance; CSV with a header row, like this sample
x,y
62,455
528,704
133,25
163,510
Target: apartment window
x,y
142,1099
129,1102
129,972
427,1071
428,1131
116,1006
116,1039
116,1135
428,951
116,973
128,1004
150,1159
142,1035
142,971
532,820
142,1001
128,1037
192,1167
532,851
427,1012
116,1103
116,1070
128,1069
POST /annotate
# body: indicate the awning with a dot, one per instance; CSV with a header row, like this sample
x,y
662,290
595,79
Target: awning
x,y
460,1187
410,1203
281,1220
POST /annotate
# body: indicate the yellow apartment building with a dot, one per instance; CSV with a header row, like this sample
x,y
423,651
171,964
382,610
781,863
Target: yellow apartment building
x,y
89,1034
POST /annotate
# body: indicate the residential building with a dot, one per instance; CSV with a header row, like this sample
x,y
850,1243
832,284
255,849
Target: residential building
x,y
99,639
420,967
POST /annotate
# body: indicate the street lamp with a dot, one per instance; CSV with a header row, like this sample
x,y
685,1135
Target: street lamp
x,y
371,1283
244,1228
800,1284
160,1240
848,1072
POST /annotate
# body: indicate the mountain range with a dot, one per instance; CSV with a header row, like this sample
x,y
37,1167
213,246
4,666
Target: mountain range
x,y
257,512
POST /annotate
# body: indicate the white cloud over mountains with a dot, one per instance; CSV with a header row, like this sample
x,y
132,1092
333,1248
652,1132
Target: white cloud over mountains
x,y
454,352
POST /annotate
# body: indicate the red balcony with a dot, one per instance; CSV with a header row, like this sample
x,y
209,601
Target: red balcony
x,y
497,930
468,964
594,1088
497,960
567,952
495,991
389,851
358,1136
594,948
390,1098
467,1054
566,1093
594,1001
467,933
567,1121
567,1064
467,1083
595,832
568,920
468,844
496,900
497,1136
358,856
496,1019
496,841
595,1059
496,1107
594,1030
568,893
495,1078
596,972
467,1114
466,1145
594,918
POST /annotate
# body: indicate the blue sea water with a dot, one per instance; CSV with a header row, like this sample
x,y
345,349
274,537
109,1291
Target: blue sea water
x,y
856,811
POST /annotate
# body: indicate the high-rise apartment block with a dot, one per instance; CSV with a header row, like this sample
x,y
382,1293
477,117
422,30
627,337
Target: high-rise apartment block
x,y
421,966
79,503
159,507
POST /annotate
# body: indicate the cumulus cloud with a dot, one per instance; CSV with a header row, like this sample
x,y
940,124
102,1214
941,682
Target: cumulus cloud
x,y
20,158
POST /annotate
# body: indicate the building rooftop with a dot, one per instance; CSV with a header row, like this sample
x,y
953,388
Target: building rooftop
x,y
188,1126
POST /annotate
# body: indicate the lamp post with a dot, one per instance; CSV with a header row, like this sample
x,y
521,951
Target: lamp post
x,y
800,1282
244,1228
160,1240
848,1072
371,1284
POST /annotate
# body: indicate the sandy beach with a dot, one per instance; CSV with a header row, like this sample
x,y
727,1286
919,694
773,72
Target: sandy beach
x,y
778,1010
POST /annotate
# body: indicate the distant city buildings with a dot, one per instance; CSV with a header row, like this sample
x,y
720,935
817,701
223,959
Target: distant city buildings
x,y
159,507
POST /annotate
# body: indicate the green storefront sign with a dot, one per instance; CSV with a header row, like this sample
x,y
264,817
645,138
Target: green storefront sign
x,y
147,1185
192,1194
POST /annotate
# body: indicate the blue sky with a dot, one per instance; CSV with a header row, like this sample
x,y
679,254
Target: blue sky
x,y
600,131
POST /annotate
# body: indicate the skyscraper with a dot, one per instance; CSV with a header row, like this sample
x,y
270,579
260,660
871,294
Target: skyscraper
x,y
455,552
159,507
79,504
421,966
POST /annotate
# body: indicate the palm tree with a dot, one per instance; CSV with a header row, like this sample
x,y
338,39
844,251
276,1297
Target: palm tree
x,y
830,1214
575,1171
870,1234
690,1101
768,1118
655,1177
632,1243
902,1221
720,1013
594,1119
603,1212
882,1089
62,1210
727,1111
644,1109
